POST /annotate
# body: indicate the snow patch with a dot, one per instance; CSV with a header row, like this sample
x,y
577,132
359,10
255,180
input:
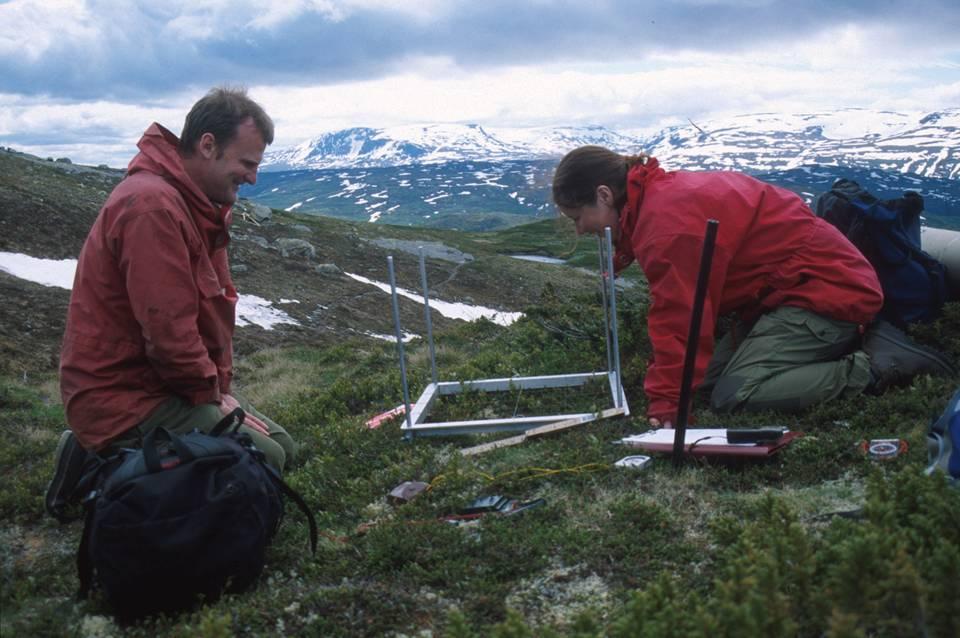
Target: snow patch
x,y
254,310
451,310
60,273
46,272
407,336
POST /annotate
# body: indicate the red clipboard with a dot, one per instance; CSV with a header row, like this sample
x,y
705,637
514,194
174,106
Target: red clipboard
x,y
756,450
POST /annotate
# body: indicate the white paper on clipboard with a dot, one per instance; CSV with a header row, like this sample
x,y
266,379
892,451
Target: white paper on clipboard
x,y
702,437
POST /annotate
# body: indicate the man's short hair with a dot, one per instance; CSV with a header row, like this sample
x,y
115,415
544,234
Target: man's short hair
x,y
220,112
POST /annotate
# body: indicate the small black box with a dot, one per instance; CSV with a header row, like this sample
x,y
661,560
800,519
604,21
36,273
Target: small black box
x,y
755,435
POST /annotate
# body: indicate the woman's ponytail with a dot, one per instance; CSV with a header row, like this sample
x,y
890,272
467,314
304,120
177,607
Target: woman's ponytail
x,y
582,170
633,160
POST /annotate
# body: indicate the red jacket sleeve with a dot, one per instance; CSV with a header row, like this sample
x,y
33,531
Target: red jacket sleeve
x,y
154,257
671,265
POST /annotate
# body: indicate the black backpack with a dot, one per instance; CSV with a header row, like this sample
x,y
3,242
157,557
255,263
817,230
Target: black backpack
x,y
888,234
181,521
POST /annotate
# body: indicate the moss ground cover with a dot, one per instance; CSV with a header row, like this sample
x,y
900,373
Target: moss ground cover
x,y
816,541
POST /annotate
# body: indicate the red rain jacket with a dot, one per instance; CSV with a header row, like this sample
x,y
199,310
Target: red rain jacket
x,y
152,309
771,251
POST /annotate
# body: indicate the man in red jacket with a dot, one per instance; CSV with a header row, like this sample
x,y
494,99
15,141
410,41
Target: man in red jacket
x,y
149,332
801,292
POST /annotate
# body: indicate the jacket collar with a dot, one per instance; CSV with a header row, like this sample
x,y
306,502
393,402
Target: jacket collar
x,y
159,155
637,180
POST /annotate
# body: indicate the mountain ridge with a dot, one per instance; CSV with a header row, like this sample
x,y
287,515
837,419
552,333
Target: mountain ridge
x,y
921,143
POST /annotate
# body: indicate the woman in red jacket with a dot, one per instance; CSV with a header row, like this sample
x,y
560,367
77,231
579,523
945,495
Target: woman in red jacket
x,y
801,292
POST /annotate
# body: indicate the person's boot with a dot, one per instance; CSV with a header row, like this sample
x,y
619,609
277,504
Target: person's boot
x,y
895,359
62,495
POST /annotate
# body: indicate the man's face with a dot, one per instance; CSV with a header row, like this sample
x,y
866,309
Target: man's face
x,y
226,168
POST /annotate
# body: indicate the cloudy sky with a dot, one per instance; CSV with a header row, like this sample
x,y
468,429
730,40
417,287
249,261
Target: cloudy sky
x,y
83,78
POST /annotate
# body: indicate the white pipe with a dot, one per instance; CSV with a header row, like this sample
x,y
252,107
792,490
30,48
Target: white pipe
x,y
944,246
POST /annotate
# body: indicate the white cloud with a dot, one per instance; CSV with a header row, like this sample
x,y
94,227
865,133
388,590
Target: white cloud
x,y
666,85
100,132
421,10
30,28
99,50
279,13
206,19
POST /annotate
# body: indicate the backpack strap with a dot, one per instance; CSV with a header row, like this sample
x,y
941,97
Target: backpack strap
x,y
84,564
91,486
247,443
151,453
296,498
235,419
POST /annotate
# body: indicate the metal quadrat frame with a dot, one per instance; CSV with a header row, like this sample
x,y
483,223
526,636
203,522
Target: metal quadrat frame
x,y
416,424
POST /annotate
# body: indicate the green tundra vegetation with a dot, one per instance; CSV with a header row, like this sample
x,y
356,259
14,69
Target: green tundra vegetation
x,y
819,540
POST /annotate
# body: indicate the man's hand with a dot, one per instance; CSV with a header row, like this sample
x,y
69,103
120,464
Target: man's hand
x,y
228,404
656,424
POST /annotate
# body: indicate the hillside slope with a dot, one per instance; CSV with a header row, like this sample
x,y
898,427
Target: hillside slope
x,y
299,263
818,540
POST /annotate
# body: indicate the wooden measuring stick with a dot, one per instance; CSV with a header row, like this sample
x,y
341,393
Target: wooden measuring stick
x,y
543,429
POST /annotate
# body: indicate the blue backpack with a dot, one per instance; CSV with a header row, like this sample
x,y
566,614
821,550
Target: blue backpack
x,y
942,441
888,234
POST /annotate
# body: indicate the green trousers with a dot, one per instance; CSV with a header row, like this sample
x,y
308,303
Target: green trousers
x,y
789,359
179,416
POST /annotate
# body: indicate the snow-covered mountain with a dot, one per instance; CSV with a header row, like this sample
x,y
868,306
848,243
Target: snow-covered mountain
x,y
923,144
398,146
435,143
476,178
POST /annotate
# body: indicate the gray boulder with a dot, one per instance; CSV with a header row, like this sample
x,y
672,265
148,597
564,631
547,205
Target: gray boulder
x,y
258,240
328,269
260,212
291,247
251,211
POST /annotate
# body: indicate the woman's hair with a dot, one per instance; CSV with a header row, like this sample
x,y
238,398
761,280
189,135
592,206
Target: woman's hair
x,y
582,170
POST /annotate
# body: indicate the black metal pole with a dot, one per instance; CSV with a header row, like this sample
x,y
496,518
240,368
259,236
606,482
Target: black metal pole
x,y
693,340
